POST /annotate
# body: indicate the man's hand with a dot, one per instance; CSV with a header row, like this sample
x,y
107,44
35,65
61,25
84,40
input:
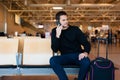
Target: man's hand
x,y
58,31
82,55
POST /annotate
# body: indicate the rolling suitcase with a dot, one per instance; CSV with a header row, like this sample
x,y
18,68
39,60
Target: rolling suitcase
x,y
102,68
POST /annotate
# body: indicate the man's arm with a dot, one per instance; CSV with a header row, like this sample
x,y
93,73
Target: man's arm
x,y
54,41
85,43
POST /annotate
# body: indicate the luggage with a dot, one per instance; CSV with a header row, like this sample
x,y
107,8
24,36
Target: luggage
x,y
102,68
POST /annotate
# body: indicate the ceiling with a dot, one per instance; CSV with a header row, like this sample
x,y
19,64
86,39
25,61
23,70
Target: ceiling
x,y
79,11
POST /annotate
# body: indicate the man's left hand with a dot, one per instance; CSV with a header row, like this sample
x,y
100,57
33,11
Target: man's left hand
x,y
82,55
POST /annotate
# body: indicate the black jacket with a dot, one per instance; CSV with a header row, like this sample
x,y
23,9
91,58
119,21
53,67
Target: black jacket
x,y
70,41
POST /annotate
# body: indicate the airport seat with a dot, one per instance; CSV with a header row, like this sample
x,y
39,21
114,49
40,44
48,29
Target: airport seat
x,y
36,52
8,56
8,51
35,56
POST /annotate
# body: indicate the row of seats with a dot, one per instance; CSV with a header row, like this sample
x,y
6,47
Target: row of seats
x,y
26,55
35,51
19,52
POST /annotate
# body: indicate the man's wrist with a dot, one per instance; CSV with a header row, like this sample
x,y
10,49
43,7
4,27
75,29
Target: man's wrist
x,y
55,53
86,53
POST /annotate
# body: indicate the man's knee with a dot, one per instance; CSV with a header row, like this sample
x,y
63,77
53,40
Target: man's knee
x,y
86,61
52,60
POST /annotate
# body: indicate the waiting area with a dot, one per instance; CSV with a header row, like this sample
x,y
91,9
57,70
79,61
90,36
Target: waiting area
x,y
24,57
27,56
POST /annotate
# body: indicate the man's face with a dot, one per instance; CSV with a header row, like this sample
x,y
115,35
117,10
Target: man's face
x,y
64,21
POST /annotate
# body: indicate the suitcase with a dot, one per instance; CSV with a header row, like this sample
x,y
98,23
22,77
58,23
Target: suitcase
x,y
102,68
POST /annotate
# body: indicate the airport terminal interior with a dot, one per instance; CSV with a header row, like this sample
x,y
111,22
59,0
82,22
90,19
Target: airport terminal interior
x,y
25,24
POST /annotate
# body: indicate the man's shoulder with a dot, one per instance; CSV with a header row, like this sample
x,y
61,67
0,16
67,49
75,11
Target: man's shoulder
x,y
74,27
54,29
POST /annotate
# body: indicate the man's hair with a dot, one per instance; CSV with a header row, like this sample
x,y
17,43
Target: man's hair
x,y
59,14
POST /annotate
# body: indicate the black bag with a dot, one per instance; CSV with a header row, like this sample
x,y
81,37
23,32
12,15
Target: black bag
x,y
102,68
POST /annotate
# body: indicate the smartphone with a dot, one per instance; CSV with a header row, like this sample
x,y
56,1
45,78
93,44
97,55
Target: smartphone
x,y
58,23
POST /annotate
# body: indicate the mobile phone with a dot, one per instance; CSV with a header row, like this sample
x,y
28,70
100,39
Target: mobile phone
x,y
58,23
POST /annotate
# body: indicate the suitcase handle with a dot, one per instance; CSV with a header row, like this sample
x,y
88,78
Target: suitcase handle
x,y
106,46
101,66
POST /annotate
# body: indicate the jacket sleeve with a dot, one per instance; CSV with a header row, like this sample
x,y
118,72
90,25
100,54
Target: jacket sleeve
x,y
54,41
83,41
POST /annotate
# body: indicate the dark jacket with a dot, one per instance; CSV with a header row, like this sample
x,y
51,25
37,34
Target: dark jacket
x,y
70,41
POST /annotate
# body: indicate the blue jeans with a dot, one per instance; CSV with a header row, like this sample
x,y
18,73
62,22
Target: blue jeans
x,y
56,63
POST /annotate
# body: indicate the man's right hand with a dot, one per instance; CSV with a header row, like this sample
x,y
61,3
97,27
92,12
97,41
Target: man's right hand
x,y
58,31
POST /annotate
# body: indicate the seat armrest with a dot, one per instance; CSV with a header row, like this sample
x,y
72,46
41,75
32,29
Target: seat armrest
x,y
19,58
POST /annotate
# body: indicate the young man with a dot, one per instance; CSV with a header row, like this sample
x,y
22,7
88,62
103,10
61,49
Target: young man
x,y
68,40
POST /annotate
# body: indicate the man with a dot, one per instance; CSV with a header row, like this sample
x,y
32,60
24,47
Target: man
x,y
68,40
